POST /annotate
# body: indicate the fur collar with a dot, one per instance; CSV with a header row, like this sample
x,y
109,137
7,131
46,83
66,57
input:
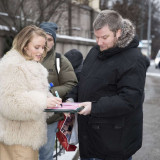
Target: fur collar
x,y
127,35
14,58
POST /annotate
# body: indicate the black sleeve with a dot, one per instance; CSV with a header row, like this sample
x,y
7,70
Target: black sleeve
x,y
130,94
73,94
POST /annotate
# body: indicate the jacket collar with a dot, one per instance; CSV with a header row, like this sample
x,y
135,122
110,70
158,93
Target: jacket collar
x,y
116,50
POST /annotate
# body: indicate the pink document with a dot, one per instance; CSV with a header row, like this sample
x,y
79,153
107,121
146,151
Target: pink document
x,y
66,107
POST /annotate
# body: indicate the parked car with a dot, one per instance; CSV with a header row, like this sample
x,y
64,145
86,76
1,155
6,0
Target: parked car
x,y
157,60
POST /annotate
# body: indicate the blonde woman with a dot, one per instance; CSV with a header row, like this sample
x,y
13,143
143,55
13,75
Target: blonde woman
x,y
23,96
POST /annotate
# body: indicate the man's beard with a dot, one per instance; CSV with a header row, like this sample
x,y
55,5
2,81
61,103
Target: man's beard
x,y
115,42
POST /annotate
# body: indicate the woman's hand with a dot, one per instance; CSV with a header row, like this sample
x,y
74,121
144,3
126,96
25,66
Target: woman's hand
x,y
53,102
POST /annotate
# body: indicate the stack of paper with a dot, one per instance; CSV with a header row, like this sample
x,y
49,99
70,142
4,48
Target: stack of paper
x,y
66,107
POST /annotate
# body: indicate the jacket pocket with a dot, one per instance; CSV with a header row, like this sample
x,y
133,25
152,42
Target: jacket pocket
x,y
107,135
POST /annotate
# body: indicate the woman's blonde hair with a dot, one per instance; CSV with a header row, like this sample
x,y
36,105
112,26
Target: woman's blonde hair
x,y
25,36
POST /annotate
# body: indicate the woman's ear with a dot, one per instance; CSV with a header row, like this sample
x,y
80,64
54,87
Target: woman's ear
x,y
118,33
25,48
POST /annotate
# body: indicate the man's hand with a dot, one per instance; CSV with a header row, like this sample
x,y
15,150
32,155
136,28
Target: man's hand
x,y
87,108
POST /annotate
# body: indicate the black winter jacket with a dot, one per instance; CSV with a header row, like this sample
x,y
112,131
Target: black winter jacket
x,y
114,81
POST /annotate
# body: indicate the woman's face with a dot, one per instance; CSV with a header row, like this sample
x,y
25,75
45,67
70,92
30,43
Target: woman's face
x,y
35,48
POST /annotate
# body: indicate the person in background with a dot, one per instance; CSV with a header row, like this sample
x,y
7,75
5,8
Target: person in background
x,y
111,88
24,95
63,79
76,59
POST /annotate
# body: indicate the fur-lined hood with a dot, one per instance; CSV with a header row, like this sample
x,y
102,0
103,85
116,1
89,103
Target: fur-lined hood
x,y
127,35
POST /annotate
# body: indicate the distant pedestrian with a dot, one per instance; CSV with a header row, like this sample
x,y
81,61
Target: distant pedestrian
x,y
76,59
111,88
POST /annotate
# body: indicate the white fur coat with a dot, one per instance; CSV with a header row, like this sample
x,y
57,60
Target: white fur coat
x,y
23,96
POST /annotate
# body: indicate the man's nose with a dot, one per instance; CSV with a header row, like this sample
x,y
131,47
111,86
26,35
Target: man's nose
x,y
99,41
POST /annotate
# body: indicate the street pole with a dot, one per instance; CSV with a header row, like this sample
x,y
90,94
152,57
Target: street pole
x,y
142,21
149,29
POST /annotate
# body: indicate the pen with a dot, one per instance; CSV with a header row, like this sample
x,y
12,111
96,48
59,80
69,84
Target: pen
x,y
57,95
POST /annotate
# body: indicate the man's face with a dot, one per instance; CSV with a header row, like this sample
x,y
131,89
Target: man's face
x,y
105,38
50,42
